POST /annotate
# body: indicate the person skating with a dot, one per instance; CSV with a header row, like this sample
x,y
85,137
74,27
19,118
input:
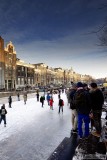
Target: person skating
x,y
48,98
51,103
59,96
3,113
18,96
61,104
10,101
25,98
37,95
42,98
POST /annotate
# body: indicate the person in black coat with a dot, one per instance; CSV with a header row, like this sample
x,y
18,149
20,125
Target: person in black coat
x,y
10,101
61,104
3,113
59,96
97,100
42,98
18,96
37,95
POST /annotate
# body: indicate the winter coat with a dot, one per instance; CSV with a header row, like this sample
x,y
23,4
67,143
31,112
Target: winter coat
x,y
82,101
25,97
42,98
61,102
97,99
10,99
51,102
3,111
48,97
71,99
37,95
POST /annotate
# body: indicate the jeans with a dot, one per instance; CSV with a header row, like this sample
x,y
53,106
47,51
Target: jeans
x,y
83,118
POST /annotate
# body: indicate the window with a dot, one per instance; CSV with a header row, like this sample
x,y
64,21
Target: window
x,y
28,80
22,68
18,81
22,81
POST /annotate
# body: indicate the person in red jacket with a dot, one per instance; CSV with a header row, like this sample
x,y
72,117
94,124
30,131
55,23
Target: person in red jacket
x,y
51,103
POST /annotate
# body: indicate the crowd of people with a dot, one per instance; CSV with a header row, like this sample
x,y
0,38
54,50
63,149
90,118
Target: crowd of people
x,y
41,99
50,101
85,104
86,108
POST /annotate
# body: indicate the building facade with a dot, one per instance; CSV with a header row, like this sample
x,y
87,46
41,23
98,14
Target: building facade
x,y
7,66
2,63
16,73
24,74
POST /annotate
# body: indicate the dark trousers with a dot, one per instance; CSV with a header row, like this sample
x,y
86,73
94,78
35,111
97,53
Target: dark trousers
x,y
60,107
42,103
37,98
97,120
10,104
3,117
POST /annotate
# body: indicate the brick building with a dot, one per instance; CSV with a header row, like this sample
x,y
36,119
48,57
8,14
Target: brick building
x,y
16,73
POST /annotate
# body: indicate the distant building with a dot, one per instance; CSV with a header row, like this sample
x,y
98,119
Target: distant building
x,y
24,74
7,66
15,73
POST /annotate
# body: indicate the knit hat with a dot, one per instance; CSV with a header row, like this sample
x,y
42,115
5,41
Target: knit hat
x,y
93,85
79,84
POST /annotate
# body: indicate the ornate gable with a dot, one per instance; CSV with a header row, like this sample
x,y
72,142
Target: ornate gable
x,y
10,48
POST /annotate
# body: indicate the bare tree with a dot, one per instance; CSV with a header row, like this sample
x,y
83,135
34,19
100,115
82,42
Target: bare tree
x,y
103,36
102,30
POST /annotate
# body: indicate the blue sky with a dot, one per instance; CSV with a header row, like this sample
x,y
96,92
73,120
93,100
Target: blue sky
x,y
55,32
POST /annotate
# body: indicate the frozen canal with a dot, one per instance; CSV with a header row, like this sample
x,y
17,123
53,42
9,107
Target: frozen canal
x,y
33,132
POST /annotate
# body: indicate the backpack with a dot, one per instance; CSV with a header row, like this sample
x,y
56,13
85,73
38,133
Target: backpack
x,y
80,98
3,112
